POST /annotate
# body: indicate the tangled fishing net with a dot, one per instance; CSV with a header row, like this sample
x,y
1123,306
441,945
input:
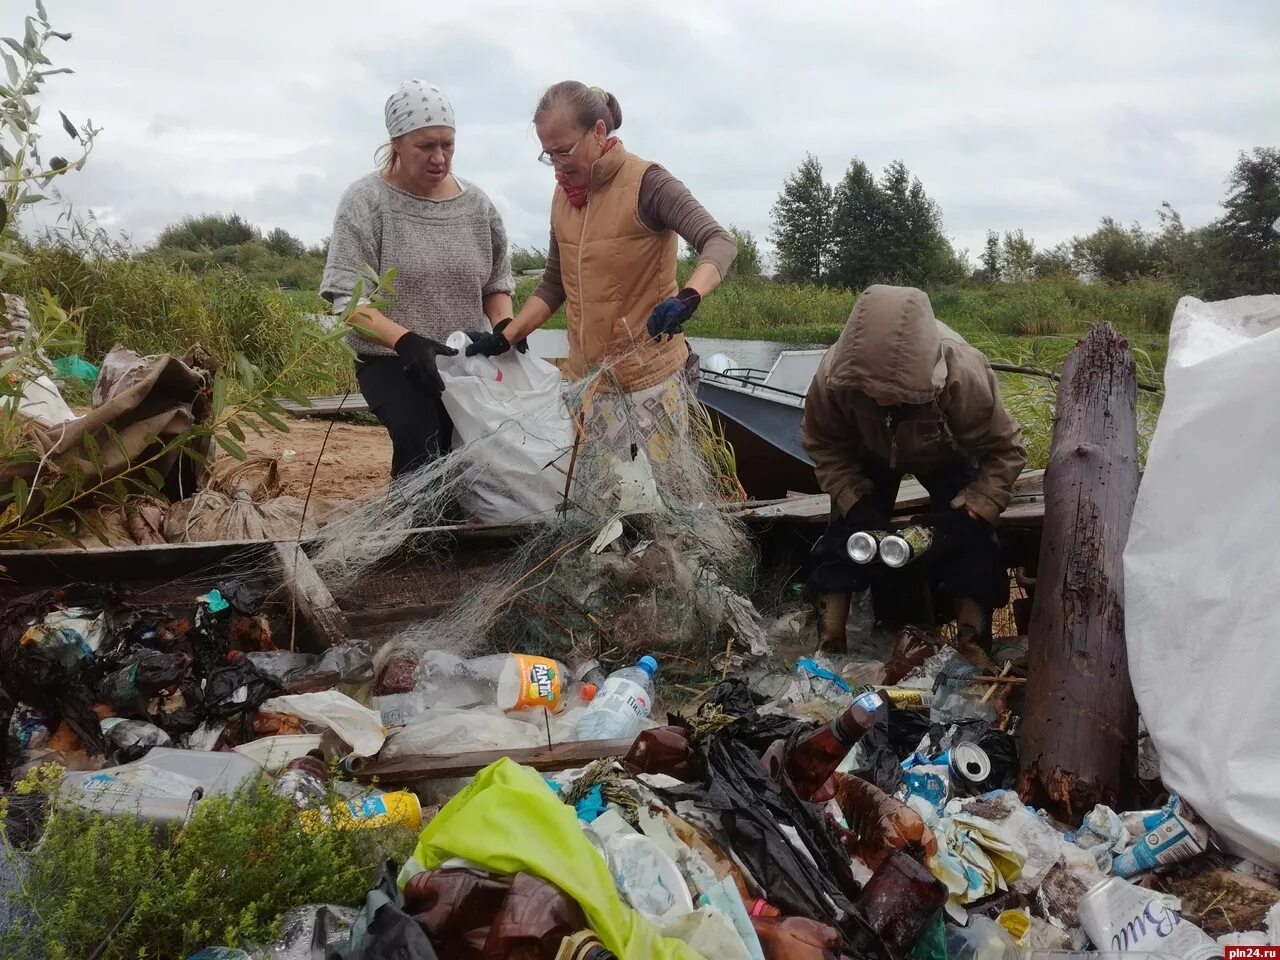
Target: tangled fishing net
x,y
639,555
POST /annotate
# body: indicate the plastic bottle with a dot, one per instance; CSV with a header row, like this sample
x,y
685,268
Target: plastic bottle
x,y
900,899
625,700
879,824
511,681
809,764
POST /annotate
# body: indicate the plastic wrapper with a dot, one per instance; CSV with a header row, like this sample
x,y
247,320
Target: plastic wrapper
x,y
279,664
381,929
358,726
912,648
1102,834
448,730
347,663
1044,845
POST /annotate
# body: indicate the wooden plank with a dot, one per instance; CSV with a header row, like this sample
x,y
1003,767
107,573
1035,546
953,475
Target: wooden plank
x,y
912,497
312,601
134,563
326,406
560,756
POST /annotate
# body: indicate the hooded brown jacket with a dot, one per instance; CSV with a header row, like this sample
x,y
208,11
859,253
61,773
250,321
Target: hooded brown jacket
x,y
948,404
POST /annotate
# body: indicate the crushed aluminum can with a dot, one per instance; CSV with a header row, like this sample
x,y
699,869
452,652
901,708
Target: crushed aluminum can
x,y
908,544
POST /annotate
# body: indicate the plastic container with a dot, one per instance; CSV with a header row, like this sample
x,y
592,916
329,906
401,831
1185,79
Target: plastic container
x,y
158,787
622,705
373,812
982,939
274,753
647,877
1119,916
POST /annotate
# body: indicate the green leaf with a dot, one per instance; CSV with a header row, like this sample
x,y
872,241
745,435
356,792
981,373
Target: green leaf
x,y
219,394
232,448
274,421
245,369
4,213
11,259
196,454
32,39
60,35
253,425
11,66
57,163
21,494
116,439
95,454
234,429
154,479
44,17
119,492
68,126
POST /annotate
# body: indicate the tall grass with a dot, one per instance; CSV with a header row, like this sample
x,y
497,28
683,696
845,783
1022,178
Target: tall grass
x,y
154,307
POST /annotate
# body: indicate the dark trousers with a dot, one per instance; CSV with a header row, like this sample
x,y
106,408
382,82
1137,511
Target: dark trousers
x,y
419,426
973,570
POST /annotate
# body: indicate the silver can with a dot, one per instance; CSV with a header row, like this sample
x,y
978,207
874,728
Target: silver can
x,y
908,544
864,545
970,762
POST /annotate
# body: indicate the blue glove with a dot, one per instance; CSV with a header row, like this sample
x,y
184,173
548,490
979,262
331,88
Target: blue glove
x,y
669,317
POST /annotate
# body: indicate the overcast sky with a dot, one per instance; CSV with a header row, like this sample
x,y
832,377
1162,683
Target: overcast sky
x,y
1034,115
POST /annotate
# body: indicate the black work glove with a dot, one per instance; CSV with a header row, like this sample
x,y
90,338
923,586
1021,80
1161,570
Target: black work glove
x,y
958,527
492,344
669,317
419,356
865,515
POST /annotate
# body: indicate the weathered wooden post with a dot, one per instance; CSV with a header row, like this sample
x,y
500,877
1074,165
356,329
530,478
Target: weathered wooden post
x,y
1080,731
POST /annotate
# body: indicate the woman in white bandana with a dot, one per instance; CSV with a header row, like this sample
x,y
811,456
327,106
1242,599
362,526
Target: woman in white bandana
x,y
448,245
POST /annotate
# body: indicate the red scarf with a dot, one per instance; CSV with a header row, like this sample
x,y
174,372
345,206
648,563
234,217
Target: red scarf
x,y
577,196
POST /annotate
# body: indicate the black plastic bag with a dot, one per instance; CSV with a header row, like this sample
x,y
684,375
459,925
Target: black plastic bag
x,y
345,663
896,735
235,689
753,810
382,930
244,599
1001,748
134,675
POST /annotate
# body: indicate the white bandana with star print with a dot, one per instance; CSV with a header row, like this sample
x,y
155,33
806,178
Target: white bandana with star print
x,y
416,104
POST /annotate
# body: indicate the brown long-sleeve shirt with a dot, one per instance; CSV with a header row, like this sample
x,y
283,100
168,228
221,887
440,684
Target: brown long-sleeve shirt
x,y
665,204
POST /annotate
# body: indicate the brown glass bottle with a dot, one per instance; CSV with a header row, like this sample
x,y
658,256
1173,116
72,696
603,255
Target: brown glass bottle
x,y
811,762
899,900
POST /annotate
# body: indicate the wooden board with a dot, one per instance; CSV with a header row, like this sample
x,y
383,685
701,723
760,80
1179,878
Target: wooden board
x,y
560,756
330,406
312,604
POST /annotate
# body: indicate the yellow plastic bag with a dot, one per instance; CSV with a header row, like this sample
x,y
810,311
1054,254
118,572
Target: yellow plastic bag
x,y
508,821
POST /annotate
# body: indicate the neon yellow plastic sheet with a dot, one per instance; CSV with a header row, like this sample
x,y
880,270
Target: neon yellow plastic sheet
x,y
508,820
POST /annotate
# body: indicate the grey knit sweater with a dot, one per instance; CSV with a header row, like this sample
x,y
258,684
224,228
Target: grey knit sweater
x,y
449,254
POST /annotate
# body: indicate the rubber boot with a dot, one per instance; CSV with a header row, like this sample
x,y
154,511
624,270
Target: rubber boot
x,y
973,632
833,617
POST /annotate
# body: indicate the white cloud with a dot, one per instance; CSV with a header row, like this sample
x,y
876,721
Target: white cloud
x,y
1044,118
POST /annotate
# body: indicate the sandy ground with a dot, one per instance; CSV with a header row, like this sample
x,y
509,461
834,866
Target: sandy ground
x,y
356,463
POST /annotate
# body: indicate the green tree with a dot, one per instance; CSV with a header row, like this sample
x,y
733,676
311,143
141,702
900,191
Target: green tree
x,y
1115,253
991,258
1250,242
1053,262
527,258
208,231
283,244
747,264
802,224
1017,257
857,228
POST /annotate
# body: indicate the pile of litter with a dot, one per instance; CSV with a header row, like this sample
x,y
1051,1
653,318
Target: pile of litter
x,y
814,811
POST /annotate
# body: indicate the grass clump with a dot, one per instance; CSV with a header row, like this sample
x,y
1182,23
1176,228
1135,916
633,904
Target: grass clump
x,y
240,864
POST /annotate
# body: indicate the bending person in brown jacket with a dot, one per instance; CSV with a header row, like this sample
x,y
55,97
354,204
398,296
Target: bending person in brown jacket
x,y
900,392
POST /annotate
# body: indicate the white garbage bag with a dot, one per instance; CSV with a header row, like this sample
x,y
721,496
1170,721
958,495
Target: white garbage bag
x,y
1202,606
509,412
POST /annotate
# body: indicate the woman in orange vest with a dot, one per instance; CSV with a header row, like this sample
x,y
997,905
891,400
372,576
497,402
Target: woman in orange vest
x,y
615,223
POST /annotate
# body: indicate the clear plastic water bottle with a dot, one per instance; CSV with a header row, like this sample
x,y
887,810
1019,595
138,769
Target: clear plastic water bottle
x,y
623,702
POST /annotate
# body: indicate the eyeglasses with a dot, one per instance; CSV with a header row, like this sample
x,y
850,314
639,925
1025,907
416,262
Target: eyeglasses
x,y
560,156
